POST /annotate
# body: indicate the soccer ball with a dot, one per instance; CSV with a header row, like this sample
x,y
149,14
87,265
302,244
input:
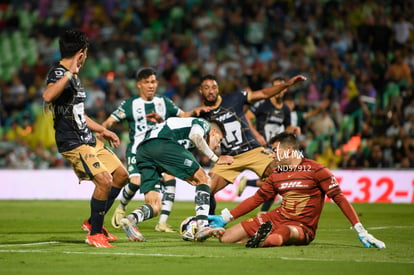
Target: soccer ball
x,y
188,228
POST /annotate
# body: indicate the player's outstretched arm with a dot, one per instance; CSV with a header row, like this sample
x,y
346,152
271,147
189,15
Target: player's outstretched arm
x,y
367,239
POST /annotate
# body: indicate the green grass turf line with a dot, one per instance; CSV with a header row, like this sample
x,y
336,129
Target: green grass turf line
x,y
44,237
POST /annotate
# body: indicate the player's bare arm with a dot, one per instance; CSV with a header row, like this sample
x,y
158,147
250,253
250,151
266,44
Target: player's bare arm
x,y
275,89
250,117
109,122
102,132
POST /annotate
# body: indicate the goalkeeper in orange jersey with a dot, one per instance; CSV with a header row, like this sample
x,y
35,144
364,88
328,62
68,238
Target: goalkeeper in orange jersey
x,y
302,183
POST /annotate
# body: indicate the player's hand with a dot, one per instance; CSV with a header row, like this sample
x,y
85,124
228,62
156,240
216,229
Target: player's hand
x,y
296,79
154,117
201,109
111,137
225,160
367,239
261,140
216,221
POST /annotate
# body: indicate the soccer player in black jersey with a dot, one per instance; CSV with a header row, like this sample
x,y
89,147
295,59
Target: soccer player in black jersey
x,y
239,141
89,157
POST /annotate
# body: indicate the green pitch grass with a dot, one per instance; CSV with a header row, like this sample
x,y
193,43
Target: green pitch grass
x,y
44,237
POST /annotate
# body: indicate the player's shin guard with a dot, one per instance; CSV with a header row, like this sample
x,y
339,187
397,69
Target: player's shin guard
x,y
97,215
128,193
202,204
167,200
142,213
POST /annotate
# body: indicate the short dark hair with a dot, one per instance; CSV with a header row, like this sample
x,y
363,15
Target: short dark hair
x,y
208,77
220,125
286,138
71,41
145,73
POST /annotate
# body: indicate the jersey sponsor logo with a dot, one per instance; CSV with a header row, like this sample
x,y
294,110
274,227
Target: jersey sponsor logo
x,y
292,184
81,94
334,183
225,116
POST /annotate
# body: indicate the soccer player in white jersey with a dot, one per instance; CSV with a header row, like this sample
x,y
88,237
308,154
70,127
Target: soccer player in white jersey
x,y
141,111
166,148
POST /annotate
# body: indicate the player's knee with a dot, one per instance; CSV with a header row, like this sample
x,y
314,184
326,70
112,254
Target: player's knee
x,y
199,177
278,237
120,177
225,238
104,181
136,180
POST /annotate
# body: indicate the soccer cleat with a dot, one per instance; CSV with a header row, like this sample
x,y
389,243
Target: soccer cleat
x,y
208,232
97,240
131,230
258,238
87,227
241,186
117,216
164,227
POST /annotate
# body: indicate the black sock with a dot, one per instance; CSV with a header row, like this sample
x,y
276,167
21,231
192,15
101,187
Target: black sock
x,y
266,205
113,194
97,215
213,205
251,183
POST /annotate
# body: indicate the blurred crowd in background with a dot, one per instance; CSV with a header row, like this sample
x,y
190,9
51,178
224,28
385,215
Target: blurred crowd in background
x,y
357,54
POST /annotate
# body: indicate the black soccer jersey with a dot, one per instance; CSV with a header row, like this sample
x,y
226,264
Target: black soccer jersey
x,y
238,138
69,113
270,120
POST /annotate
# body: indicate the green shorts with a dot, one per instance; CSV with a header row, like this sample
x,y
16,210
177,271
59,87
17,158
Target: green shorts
x,y
156,156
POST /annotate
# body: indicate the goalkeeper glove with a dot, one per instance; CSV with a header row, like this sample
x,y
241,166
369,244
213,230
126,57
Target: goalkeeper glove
x,y
216,221
220,220
367,239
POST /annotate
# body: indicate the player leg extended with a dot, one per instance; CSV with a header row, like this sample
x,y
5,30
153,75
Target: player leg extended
x,y
150,209
264,232
202,206
251,232
128,192
167,201
150,186
269,235
90,163
119,177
